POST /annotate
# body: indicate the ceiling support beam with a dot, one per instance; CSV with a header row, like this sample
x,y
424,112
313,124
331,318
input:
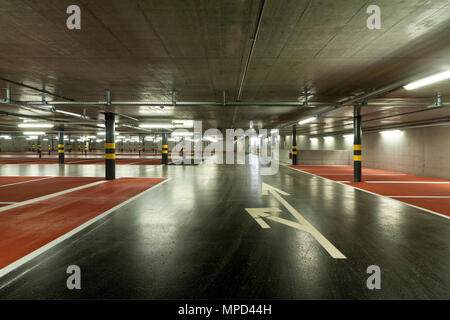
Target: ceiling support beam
x,y
252,47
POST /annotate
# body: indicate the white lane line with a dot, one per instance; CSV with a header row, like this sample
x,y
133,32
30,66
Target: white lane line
x,y
364,174
138,161
15,183
421,197
375,194
435,182
71,162
26,202
69,234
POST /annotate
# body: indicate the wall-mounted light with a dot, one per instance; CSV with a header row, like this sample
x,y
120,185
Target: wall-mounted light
x,y
428,80
391,133
34,133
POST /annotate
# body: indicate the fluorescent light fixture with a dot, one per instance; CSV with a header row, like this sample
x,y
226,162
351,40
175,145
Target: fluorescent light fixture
x,y
91,137
5,137
35,125
274,131
34,133
428,80
102,133
329,138
348,136
32,138
391,133
45,139
156,125
99,140
101,125
182,134
183,123
210,139
308,120
70,113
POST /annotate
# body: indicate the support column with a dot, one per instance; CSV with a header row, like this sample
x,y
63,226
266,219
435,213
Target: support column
x,y
294,146
61,146
357,146
110,147
39,147
165,148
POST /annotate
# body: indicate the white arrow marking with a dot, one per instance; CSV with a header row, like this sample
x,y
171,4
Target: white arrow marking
x,y
259,213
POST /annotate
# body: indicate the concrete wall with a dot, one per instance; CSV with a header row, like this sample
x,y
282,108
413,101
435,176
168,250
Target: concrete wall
x,y
334,150
422,151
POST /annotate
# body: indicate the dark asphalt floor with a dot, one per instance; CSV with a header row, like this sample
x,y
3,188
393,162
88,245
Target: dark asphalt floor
x,y
192,238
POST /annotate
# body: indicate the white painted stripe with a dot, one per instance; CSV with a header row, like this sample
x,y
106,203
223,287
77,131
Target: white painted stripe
x,y
375,194
69,234
138,161
435,182
84,160
12,184
421,197
60,193
364,174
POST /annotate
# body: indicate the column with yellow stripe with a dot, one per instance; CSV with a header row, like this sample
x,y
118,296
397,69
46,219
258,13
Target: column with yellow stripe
x,y
165,148
61,146
357,145
39,148
110,147
294,146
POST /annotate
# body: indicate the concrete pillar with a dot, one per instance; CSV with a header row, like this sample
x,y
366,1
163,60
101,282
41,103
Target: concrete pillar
x,y
110,147
39,147
165,148
357,145
61,146
294,145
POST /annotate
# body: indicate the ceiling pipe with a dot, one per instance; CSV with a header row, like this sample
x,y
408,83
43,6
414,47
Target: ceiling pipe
x,y
178,103
252,47
36,89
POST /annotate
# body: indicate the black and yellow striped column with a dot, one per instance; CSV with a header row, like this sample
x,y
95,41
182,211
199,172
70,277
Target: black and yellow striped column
x,y
39,148
165,148
294,146
110,147
357,145
61,146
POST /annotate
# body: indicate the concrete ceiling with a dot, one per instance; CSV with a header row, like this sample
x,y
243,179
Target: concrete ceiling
x,y
143,50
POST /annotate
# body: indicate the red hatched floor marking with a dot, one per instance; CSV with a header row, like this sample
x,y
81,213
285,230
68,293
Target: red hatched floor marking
x,y
28,228
391,184
40,187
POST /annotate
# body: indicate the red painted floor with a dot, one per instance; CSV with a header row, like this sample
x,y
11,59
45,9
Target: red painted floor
x,y
39,186
408,188
27,228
